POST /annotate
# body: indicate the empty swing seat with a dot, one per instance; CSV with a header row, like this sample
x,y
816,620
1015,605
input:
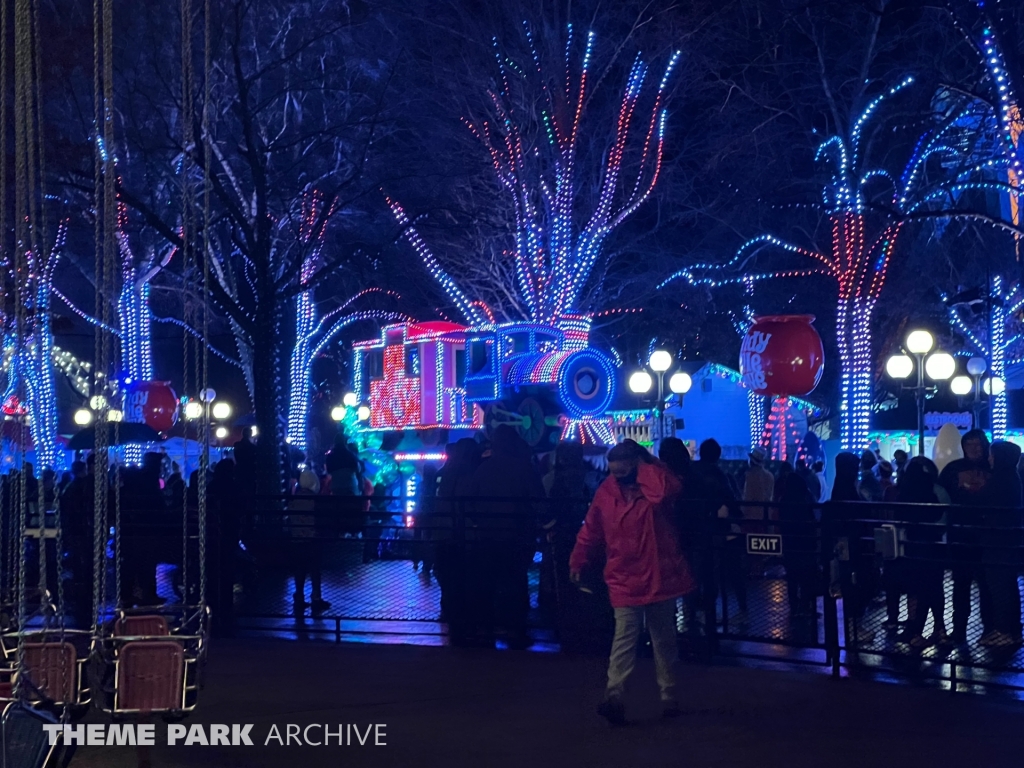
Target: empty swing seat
x,y
141,626
52,670
150,677
24,742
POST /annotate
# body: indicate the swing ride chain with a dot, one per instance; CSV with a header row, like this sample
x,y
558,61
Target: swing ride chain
x,y
22,122
188,257
206,295
59,523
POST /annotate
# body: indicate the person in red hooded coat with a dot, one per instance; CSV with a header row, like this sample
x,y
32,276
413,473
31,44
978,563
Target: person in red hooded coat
x,y
630,520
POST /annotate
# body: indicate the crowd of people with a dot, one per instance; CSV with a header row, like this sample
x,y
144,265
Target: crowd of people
x,y
660,530
670,531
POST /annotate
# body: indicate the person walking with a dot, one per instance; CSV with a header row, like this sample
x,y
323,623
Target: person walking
x,y
450,566
1000,541
630,521
568,500
689,523
856,567
245,464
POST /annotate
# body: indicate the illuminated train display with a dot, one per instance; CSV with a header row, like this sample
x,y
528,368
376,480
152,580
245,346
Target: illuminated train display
x,y
545,380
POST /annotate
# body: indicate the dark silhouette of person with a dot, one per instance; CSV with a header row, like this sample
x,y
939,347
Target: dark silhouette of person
x,y
858,575
450,565
245,463
146,533
721,514
501,527
77,507
224,532
688,519
965,480
924,577
796,518
1000,540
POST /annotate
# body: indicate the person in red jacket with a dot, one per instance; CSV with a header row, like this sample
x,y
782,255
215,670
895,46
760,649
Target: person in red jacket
x,y
630,520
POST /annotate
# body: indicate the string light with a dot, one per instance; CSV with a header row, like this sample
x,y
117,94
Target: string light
x,y
857,263
314,333
555,250
997,338
419,456
780,430
30,362
588,432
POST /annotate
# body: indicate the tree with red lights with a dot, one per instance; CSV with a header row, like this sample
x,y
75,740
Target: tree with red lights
x,y
533,133
866,209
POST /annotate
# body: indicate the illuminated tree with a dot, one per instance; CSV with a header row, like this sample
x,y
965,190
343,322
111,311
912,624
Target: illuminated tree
x,y
31,389
991,324
288,103
866,210
312,332
534,137
987,26
134,316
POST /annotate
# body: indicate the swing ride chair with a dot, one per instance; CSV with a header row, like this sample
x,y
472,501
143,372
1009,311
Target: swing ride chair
x,y
151,656
24,740
153,660
53,669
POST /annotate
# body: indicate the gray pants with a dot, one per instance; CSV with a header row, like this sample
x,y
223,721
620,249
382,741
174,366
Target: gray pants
x,y
661,624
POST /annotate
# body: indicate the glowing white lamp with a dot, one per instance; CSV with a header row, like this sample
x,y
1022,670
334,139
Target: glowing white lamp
x,y
961,385
940,366
640,382
899,366
680,383
660,361
920,342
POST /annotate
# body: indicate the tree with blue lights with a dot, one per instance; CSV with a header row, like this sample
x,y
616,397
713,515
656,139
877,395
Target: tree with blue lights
x,y
867,209
313,333
292,105
534,137
31,387
991,325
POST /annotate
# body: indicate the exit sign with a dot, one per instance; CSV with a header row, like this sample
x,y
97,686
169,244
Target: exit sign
x,y
764,544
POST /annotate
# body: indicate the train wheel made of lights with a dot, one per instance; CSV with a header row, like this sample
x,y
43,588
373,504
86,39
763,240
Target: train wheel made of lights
x,y
533,426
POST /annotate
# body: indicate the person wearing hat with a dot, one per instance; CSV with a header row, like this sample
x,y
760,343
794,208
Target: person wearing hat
x,y
758,487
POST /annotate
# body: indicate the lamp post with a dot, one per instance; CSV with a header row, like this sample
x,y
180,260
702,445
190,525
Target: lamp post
x,y
679,383
974,383
939,366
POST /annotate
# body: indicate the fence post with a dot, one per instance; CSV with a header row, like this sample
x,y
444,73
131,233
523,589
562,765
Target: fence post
x,y
710,587
830,609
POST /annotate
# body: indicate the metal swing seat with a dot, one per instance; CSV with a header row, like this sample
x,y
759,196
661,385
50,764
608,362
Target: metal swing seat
x,y
153,660
23,741
53,665
53,669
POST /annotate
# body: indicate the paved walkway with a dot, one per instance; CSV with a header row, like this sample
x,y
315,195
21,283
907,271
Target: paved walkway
x,y
452,707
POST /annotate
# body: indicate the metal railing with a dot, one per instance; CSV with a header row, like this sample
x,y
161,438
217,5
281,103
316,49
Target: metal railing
x,y
861,588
